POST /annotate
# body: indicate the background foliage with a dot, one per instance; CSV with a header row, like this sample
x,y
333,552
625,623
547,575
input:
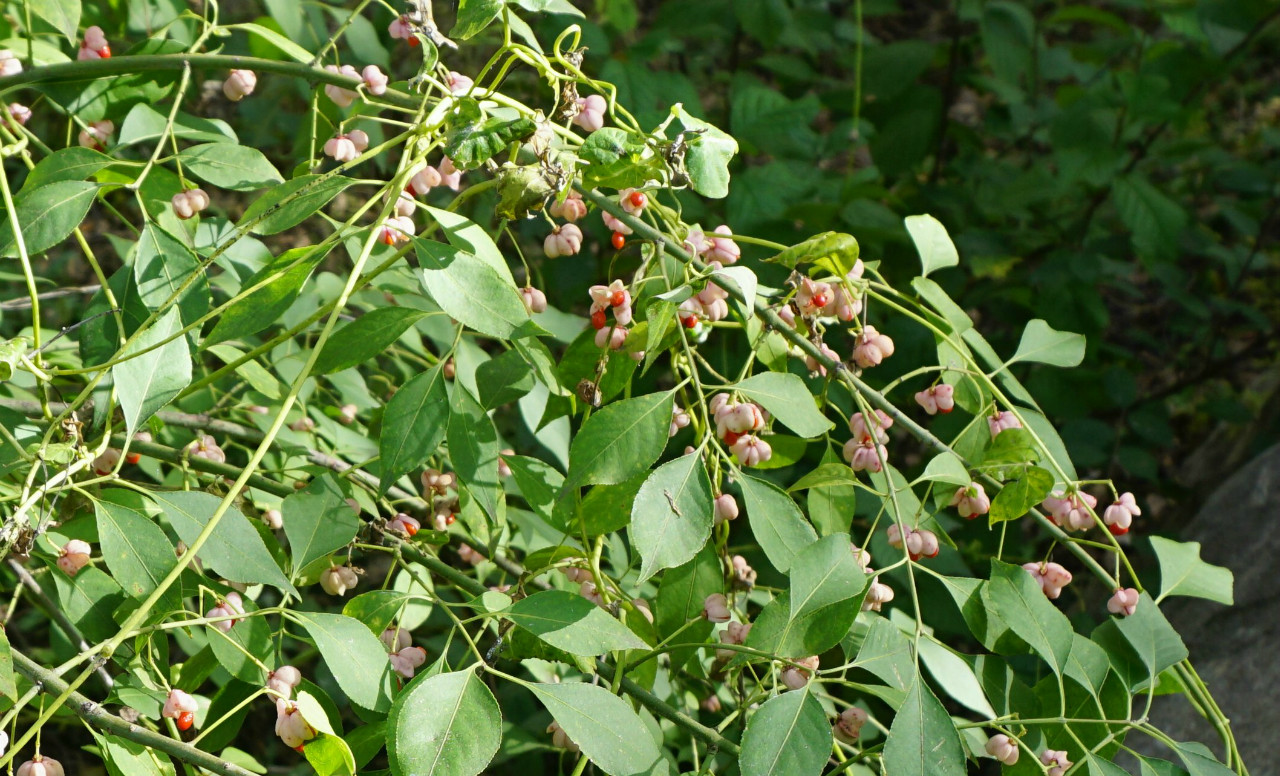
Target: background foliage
x,y
1108,168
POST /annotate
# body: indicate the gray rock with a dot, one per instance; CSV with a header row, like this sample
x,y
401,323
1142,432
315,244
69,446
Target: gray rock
x,y
1234,649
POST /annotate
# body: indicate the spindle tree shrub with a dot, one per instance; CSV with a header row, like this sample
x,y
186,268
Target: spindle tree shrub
x,y
442,441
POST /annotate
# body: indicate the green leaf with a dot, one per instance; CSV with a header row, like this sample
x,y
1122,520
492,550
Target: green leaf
x,y
503,379
329,755
413,424
1155,220
618,159
64,15
248,638
66,164
145,124
841,247
824,573
947,467
1198,760
827,475
474,16
681,594
1042,344
604,726
161,265
1150,637
954,675
376,608
355,657
1182,572
317,521
707,156
471,144
776,632
1019,496
48,214
469,237
570,622
742,280
8,685
672,514
477,296
923,740
262,308
1013,596
134,548
364,338
235,167
292,202
447,724
128,758
951,312
234,550
539,483
777,523
932,243
788,736
620,441
281,42
473,449
548,6
788,399
149,381
886,653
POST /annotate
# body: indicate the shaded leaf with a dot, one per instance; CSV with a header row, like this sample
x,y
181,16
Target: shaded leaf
x,y
235,549
932,243
672,515
355,657
620,441
604,726
570,622
447,724
788,736
777,523
317,521
413,425
149,381
787,398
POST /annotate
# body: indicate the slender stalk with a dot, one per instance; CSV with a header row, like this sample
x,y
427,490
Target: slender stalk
x,y
96,716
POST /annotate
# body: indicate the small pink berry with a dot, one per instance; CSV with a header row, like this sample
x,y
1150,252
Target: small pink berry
x,y
1002,421
1119,516
20,112
571,209
848,726
872,348
566,240
971,501
591,110
751,450
534,300
1124,602
796,677
716,608
239,84
937,398
374,79
725,508
9,63
74,556
95,135
1003,749
1051,577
